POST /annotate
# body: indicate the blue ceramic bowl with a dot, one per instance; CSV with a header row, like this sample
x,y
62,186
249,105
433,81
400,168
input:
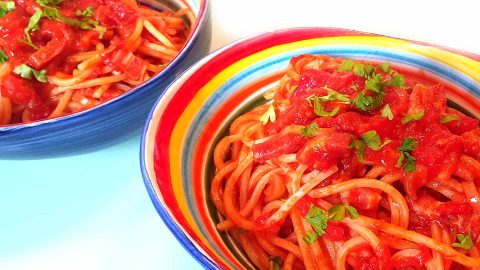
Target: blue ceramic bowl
x,y
112,121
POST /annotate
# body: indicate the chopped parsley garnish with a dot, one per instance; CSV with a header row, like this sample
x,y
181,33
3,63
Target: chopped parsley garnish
x,y
347,65
5,7
385,67
337,212
331,96
387,112
397,81
464,241
406,160
53,13
363,102
334,95
372,139
408,144
310,237
376,84
49,2
320,110
3,56
411,117
359,69
309,131
364,70
26,72
33,25
275,262
88,12
449,118
317,218
361,146
269,115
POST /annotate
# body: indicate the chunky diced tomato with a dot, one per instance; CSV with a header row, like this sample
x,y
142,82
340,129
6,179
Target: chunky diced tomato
x,y
337,231
363,198
454,208
281,143
310,79
341,81
471,143
21,91
324,150
300,113
462,125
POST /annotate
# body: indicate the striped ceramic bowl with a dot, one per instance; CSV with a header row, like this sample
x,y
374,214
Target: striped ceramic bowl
x,y
117,119
195,111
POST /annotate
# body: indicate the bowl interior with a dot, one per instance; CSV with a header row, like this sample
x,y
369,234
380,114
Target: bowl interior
x,y
197,109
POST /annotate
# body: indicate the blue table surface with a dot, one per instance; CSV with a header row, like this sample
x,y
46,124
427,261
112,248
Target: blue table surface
x,y
87,211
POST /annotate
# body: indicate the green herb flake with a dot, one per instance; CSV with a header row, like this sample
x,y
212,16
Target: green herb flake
x,y
375,84
359,70
5,7
385,67
362,102
411,117
88,12
33,25
310,237
347,65
49,2
334,95
449,118
397,81
51,13
387,112
320,110
360,146
372,139
27,72
464,241
275,262
363,70
317,218
309,131
3,56
408,144
337,212
86,24
369,70
406,160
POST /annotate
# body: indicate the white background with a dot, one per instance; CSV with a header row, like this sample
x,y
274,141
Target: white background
x,y
105,219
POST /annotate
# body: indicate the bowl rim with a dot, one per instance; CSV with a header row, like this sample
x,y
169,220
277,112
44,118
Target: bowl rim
x,y
174,228
200,22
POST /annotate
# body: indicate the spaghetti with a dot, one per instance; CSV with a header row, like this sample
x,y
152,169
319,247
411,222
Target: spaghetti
x,y
352,165
59,57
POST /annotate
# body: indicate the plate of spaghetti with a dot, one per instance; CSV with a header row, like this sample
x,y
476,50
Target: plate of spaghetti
x,y
321,148
86,72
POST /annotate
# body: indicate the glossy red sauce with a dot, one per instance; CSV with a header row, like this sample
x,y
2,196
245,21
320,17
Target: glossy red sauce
x,y
56,39
440,145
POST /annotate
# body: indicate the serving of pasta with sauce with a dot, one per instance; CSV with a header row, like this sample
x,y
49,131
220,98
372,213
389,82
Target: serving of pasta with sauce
x,y
351,165
59,57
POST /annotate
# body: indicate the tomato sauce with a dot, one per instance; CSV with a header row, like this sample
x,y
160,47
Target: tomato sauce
x,y
419,137
46,40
